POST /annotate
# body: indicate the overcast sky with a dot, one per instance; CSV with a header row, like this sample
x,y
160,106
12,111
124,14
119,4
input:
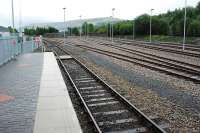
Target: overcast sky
x,y
38,11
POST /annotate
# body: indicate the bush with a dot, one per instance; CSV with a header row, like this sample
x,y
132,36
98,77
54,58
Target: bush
x,y
39,31
194,28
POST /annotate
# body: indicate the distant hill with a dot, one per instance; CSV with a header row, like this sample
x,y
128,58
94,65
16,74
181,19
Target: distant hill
x,y
74,23
3,29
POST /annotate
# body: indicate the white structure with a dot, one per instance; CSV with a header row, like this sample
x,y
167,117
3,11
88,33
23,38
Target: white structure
x,y
113,9
150,25
4,32
185,17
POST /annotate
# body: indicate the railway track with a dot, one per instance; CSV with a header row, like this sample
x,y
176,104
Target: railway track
x,y
148,55
172,67
109,111
188,47
189,51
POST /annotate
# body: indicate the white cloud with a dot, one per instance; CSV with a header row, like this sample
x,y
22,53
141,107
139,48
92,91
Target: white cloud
x,y
51,10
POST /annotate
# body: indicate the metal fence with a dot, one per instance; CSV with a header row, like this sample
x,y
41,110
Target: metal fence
x,y
29,46
10,47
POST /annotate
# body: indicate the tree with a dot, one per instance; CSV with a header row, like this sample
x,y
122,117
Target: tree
x,y
90,28
39,31
142,25
52,30
101,29
159,26
75,31
84,28
194,28
198,8
87,28
170,23
11,30
125,28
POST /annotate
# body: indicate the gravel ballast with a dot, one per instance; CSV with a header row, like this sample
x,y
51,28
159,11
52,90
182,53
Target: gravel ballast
x,y
174,100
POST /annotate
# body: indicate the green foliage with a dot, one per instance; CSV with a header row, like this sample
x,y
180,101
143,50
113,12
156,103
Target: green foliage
x,y
170,23
123,28
194,28
90,28
198,8
164,38
11,30
103,29
87,28
167,24
175,21
159,25
84,27
39,31
142,25
75,31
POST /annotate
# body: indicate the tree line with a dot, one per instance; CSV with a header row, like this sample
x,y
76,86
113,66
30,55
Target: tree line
x,y
170,23
11,30
39,31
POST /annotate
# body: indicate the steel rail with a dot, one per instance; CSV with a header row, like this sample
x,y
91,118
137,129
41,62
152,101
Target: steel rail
x,y
196,80
151,56
147,121
154,47
79,94
108,53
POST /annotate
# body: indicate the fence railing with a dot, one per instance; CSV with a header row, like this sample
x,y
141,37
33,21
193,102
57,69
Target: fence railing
x,y
10,47
29,46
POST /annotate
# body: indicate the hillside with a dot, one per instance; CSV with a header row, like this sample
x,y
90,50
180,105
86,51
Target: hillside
x,y
74,23
3,29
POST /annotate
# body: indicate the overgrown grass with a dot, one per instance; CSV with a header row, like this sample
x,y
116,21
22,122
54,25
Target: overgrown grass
x,y
161,38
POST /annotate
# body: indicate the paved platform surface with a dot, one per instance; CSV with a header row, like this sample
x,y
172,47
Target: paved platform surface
x,y
34,98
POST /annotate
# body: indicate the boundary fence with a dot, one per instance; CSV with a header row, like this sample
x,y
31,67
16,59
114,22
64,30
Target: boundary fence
x,y
12,46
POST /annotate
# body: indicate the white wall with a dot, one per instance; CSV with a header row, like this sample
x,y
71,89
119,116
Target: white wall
x,y
3,34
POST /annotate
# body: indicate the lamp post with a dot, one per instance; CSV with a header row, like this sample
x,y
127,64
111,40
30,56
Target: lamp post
x,y
13,51
69,28
110,28
133,29
13,20
85,29
64,25
107,31
20,18
80,29
150,25
113,9
185,18
20,26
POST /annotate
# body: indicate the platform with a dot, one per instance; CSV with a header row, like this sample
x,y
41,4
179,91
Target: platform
x,y
34,98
